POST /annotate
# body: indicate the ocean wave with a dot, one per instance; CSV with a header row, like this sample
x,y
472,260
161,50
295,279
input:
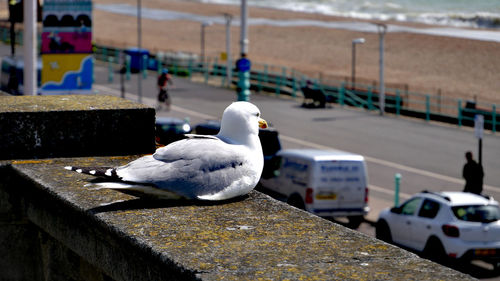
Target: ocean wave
x,y
384,11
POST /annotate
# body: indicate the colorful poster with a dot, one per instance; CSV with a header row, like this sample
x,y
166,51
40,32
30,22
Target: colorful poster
x,y
66,48
66,42
67,74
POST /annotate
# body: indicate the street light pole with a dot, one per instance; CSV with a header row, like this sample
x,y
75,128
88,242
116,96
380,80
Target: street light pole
x,y
354,42
244,28
30,50
382,28
202,40
139,41
243,64
229,67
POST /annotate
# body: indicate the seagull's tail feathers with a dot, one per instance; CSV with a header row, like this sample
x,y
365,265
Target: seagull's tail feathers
x,y
137,189
106,172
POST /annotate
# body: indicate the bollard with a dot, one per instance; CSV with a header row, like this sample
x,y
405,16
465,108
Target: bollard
x,y
117,54
110,69
397,182
260,78
244,85
205,71
159,67
144,66
127,67
341,94
175,66
160,57
459,113
370,98
427,108
266,74
104,53
494,118
190,68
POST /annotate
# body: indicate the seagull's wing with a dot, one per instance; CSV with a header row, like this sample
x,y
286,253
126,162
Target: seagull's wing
x,y
191,167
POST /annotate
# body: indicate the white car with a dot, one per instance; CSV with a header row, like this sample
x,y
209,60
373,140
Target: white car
x,y
456,225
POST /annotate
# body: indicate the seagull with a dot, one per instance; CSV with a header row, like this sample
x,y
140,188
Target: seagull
x,y
200,167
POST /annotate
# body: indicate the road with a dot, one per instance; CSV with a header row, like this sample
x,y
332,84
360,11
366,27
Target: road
x,y
427,155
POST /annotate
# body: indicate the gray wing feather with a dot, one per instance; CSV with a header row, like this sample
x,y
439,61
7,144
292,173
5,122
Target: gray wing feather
x,y
189,167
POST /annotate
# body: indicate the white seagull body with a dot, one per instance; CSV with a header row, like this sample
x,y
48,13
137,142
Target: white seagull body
x,y
218,167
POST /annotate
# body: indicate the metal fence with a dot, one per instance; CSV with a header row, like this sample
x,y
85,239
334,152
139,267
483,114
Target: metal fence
x,y
285,81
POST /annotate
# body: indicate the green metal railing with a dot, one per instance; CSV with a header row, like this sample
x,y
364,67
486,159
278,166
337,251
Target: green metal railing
x,y
285,81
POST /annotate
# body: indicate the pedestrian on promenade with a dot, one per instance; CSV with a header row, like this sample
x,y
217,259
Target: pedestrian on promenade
x,y
162,82
473,175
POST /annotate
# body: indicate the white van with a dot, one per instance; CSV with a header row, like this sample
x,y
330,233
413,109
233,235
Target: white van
x,y
328,183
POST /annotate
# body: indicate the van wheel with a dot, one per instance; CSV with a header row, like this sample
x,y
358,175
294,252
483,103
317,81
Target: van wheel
x,y
355,221
383,232
296,201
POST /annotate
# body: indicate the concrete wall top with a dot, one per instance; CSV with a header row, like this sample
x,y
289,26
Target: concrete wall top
x,y
250,238
73,126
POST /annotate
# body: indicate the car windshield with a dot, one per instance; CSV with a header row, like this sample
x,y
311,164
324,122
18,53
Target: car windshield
x,y
477,213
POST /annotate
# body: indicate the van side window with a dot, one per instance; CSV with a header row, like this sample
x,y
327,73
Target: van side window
x,y
429,209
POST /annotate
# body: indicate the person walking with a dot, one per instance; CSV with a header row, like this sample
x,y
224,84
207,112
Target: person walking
x,y
162,82
473,174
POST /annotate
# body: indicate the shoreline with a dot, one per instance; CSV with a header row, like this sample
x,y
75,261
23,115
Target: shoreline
x,y
351,25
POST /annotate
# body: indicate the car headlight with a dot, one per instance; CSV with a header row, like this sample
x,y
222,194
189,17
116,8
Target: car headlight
x,y
186,128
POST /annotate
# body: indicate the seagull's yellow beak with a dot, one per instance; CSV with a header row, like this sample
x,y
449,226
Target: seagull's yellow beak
x,y
262,123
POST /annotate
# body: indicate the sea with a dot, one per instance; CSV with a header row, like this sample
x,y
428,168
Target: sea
x,y
456,13
469,19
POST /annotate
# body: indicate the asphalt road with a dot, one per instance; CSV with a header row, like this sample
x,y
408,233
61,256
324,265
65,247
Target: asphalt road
x,y
427,155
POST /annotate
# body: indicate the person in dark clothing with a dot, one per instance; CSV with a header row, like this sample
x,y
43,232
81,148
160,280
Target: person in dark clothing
x,y
313,93
163,80
473,175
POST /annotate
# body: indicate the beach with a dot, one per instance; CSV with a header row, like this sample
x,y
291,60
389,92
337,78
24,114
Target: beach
x,y
454,67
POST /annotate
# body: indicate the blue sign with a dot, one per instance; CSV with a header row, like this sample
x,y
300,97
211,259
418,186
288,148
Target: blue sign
x,y
243,64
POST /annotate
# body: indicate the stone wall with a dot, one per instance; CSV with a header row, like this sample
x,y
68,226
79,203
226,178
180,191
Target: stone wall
x,y
73,125
56,226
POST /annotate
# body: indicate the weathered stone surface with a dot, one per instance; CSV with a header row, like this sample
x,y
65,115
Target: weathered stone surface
x,y
247,238
73,125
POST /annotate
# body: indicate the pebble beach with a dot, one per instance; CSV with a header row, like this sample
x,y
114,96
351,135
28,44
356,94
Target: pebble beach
x,y
455,67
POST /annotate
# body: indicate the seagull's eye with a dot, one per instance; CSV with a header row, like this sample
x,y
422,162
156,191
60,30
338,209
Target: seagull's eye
x,y
257,114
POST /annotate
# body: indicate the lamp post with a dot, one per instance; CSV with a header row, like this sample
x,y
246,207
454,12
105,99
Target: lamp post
x,y
382,28
244,28
229,67
30,56
354,43
202,41
139,45
243,64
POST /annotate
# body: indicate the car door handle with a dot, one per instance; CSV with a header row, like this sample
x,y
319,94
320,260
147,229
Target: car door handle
x,y
408,222
428,227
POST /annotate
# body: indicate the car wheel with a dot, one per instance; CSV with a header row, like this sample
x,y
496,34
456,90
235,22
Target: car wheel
x,y
296,201
355,221
434,250
383,232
